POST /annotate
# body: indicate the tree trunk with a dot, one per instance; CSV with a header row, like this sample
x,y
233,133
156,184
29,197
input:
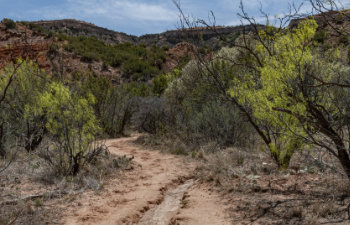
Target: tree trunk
x,y
2,149
76,163
34,143
344,159
75,166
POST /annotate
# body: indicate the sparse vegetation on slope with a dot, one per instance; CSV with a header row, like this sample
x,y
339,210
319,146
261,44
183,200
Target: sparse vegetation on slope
x,y
137,62
9,24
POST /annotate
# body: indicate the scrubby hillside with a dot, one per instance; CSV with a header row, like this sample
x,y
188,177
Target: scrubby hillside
x,y
68,46
170,38
198,36
17,41
80,28
333,27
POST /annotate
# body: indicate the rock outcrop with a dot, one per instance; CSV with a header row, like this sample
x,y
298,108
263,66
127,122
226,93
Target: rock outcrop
x,y
24,43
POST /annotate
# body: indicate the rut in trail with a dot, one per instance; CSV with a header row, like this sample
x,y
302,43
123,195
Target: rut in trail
x,y
167,210
155,192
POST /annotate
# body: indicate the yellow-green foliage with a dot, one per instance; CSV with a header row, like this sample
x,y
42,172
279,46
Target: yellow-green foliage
x,y
277,75
70,118
27,82
160,83
24,72
271,93
36,106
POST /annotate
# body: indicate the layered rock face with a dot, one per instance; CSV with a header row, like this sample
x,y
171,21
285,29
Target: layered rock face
x,y
23,43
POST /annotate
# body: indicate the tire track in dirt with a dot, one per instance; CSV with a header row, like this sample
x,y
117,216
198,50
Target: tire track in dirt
x,y
167,210
151,193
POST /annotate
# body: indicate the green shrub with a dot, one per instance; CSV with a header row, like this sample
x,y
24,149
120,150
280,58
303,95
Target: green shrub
x,y
339,19
53,50
117,111
196,108
38,28
9,24
160,83
344,40
179,151
104,66
137,89
138,70
320,36
138,62
71,125
27,84
152,115
165,48
218,122
38,202
88,57
116,61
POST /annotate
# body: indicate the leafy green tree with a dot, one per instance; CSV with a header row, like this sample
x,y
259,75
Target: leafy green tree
x,y
162,81
298,92
6,80
71,124
30,82
26,81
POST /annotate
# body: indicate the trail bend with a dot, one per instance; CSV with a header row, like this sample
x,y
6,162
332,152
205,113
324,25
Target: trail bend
x,y
158,191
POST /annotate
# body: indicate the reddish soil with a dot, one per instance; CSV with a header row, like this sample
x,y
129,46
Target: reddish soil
x,y
159,190
181,51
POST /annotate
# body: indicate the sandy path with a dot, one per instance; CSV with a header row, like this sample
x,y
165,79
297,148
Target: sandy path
x,y
152,193
202,207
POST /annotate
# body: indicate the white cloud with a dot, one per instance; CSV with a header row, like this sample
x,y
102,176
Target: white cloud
x,y
111,9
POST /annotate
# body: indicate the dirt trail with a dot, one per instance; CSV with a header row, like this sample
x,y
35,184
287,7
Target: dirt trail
x,y
157,191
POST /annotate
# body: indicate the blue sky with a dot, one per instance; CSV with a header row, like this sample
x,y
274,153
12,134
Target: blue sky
x,y
138,16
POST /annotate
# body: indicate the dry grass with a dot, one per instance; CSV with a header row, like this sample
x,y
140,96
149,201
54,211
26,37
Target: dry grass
x,y
308,193
30,176
171,145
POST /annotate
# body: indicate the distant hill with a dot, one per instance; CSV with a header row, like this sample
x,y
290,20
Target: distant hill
x,y
169,38
88,47
195,36
333,27
80,28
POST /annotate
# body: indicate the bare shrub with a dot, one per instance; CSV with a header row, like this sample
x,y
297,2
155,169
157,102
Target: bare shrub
x,y
227,164
152,115
117,110
60,160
